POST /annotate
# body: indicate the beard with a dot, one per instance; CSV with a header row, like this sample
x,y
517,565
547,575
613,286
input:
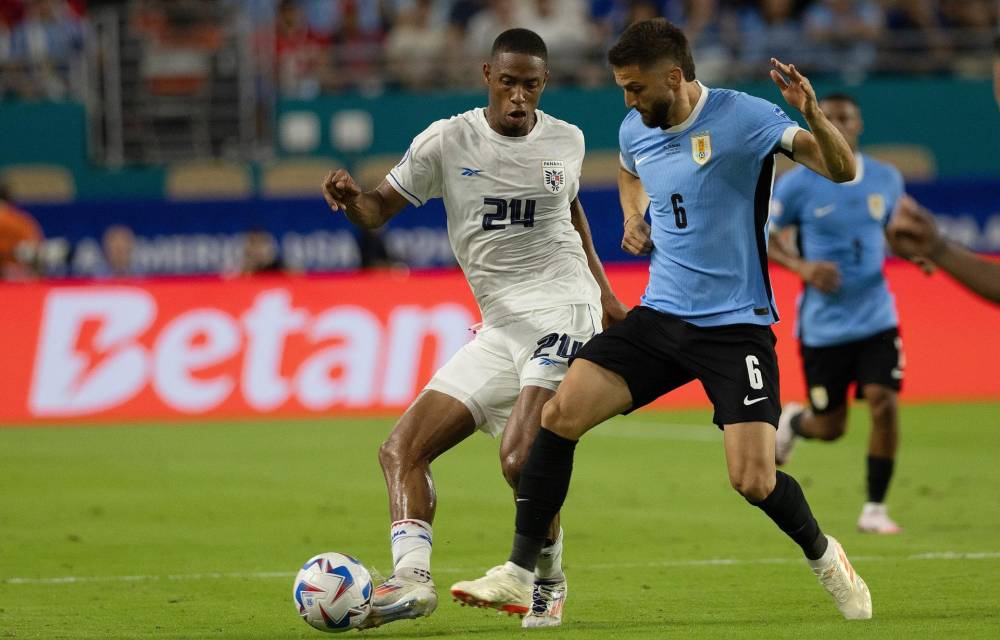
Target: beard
x,y
657,116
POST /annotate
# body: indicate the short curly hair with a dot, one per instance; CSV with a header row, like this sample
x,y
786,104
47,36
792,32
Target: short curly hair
x,y
647,42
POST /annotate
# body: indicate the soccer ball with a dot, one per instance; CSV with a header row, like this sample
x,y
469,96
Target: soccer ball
x,y
333,592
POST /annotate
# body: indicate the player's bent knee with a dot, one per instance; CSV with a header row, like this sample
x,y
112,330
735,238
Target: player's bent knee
x,y
511,462
562,420
753,486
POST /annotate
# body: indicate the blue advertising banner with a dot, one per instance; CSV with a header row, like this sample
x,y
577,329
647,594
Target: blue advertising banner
x,y
209,237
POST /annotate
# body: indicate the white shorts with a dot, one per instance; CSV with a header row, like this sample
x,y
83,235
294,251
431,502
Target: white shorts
x,y
531,349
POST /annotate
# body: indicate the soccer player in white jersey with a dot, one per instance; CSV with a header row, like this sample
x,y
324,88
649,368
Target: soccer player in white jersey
x,y
509,176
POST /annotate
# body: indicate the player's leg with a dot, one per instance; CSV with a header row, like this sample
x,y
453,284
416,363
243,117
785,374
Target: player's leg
x,y
588,396
880,373
616,371
474,388
739,369
750,461
550,588
828,372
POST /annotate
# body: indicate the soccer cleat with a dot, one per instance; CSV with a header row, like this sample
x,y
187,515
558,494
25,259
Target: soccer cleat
x,y
875,518
408,593
784,438
500,589
547,600
840,580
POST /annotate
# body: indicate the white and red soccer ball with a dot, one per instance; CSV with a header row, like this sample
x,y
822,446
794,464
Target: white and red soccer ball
x,y
333,592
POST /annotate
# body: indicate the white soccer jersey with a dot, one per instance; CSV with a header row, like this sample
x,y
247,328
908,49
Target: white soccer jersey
x,y
507,200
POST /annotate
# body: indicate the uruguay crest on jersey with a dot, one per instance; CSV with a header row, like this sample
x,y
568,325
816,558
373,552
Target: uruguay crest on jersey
x,y
876,205
554,175
701,147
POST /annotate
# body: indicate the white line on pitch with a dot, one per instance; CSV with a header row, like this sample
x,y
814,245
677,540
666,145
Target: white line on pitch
x,y
708,562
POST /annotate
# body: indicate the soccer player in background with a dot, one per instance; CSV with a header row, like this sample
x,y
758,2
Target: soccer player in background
x,y
848,328
509,176
703,160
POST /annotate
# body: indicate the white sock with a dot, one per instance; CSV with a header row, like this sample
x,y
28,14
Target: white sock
x,y
549,565
411,544
827,557
522,574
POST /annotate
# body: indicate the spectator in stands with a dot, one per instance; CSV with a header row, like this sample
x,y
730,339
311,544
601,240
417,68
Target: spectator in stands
x,y
260,254
845,32
300,58
118,246
486,25
45,47
415,47
564,25
769,28
357,47
20,239
972,24
917,41
703,24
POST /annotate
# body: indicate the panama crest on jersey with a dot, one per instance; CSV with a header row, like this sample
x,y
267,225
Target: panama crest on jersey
x,y
701,147
554,175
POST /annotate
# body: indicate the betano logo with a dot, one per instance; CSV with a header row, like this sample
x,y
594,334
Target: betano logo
x,y
99,349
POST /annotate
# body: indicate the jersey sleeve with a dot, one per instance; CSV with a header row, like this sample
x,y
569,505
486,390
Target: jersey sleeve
x,y
785,209
579,153
417,177
770,128
625,157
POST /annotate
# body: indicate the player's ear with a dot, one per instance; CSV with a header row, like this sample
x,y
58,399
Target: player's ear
x,y
486,73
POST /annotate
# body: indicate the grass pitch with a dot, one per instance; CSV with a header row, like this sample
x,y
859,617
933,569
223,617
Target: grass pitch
x,y
196,530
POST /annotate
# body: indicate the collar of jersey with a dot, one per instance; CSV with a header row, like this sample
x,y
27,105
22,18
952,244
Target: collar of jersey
x,y
698,106
535,130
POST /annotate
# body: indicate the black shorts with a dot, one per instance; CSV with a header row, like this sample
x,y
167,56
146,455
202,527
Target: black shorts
x,y
831,370
656,353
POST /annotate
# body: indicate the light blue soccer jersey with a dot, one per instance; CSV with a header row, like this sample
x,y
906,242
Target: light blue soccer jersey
x,y
709,183
842,223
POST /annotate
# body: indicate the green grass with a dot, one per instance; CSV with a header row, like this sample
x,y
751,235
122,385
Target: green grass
x,y
176,505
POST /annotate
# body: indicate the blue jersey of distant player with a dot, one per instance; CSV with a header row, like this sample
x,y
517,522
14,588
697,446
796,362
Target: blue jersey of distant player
x,y
842,223
709,183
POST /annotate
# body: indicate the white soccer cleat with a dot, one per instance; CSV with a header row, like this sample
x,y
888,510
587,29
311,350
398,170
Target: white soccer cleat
x,y
840,580
547,600
408,593
784,438
501,588
875,518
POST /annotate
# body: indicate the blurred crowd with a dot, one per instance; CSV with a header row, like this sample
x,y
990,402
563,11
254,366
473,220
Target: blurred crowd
x,y
325,46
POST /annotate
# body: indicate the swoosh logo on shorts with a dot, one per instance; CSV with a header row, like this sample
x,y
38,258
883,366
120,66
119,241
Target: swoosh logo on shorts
x,y
747,401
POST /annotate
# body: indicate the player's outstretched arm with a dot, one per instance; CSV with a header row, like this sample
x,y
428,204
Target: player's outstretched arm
x,y
823,149
612,308
913,234
821,274
637,238
366,209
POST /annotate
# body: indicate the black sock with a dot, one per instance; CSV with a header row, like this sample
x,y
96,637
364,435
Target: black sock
x,y
879,475
796,424
540,494
788,508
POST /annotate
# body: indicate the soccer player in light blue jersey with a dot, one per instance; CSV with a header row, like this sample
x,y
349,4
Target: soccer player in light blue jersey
x,y
702,161
847,324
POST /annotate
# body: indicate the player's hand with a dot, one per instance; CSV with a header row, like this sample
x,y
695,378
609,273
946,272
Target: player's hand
x,y
340,189
820,274
637,239
912,232
613,311
797,90
925,265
